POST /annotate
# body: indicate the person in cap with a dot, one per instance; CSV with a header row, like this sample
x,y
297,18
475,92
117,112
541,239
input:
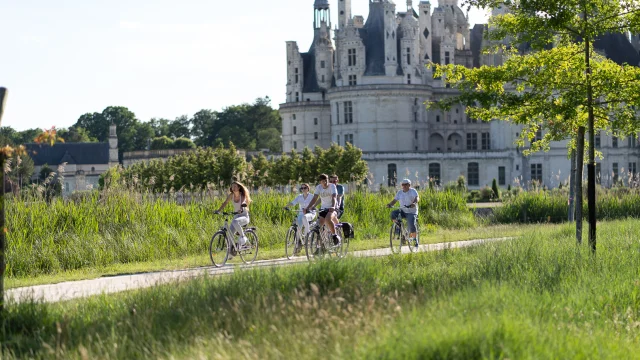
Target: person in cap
x,y
408,199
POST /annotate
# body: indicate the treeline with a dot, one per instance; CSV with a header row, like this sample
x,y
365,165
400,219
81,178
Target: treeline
x,y
248,126
212,167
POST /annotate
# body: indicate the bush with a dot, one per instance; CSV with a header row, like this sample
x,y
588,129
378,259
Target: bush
x,y
161,143
183,143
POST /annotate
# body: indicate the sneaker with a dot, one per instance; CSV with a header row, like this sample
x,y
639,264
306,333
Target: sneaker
x,y
242,240
414,241
336,240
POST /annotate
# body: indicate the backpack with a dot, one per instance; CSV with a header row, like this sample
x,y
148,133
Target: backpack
x,y
347,229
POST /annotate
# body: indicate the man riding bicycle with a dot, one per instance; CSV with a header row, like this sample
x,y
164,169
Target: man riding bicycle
x,y
408,198
328,193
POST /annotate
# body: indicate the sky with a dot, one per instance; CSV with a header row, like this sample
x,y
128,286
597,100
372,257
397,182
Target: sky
x,y
159,58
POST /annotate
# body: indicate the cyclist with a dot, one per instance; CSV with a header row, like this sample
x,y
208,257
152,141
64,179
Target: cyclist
x,y
408,198
303,201
328,194
340,198
241,199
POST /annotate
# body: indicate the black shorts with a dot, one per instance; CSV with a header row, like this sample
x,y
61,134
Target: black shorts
x,y
323,213
339,213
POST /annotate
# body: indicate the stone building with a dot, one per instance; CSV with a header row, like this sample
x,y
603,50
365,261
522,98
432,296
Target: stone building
x,y
82,163
365,82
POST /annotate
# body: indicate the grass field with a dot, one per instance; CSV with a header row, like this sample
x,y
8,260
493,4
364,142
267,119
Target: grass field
x,y
537,297
276,251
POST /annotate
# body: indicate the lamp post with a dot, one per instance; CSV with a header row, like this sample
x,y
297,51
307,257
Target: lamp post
x,y
3,246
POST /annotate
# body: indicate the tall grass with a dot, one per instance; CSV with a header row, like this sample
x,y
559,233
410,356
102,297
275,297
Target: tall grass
x,y
545,206
537,297
101,229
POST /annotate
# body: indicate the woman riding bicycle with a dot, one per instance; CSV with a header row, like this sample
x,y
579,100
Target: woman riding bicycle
x,y
408,198
240,198
303,201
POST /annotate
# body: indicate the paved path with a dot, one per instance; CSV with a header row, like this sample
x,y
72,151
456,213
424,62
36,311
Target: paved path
x,y
104,285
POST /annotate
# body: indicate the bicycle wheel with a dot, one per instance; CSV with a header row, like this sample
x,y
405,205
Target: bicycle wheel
x,y
249,255
290,243
395,238
313,246
344,245
219,249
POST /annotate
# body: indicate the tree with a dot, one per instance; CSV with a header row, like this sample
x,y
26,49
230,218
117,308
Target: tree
x,y
97,124
142,137
350,166
180,127
76,134
183,143
260,171
269,138
161,143
160,127
560,86
202,127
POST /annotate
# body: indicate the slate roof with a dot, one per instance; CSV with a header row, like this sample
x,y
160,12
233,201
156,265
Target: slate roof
x,y
71,153
372,34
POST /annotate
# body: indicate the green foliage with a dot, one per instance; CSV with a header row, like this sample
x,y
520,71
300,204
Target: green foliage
x,y
183,143
520,299
495,189
162,143
124,226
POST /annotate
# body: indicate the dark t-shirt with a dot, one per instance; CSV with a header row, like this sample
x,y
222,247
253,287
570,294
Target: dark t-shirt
x,y
341,192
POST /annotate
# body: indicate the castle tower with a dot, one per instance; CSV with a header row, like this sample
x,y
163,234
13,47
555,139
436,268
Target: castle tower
x,y
344,13
424,12
113,145
321,14
390,38
324,56
295,78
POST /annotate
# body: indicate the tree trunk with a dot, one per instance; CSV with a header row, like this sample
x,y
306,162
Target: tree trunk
x,y
591,165
572,186
578,181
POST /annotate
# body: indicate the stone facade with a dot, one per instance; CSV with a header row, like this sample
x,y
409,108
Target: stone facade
x,y
368,86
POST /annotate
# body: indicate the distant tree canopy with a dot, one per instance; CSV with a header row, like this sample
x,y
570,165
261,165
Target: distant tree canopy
x,y
248,126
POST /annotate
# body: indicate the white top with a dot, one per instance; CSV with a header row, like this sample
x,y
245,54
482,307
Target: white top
x,y
406,199
237,206
326,195
302,202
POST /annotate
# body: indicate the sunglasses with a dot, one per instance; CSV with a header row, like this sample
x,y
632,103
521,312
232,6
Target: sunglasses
x,y
304,188
405,184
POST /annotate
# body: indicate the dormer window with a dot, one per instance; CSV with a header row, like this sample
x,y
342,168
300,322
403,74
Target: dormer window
x,y
351,54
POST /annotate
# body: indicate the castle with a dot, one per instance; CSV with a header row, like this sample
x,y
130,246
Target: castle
x,y
367,86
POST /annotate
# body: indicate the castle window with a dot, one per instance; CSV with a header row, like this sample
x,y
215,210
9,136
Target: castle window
x,y
615,172
315,121
293,116
408,78
538,136
408,56
348,138
598,141
472,141
631,141
536,172
473,174
295,144
486,141
338,139
598,172
437,118
297,96
322,64
502,179
295,130
353,80
415,134
614,142
434,172
338,115
348,112
632,168
351,57
322,79
447,58
315,135
415,116
297,77
392,171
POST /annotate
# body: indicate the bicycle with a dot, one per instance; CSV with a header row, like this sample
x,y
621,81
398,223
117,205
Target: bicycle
x,y
399,235
222,246
294,239
319,243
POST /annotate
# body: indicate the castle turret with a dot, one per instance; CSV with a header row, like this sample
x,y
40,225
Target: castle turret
x,y
424,10
390,38
113,145
324,56
295,72
344,13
